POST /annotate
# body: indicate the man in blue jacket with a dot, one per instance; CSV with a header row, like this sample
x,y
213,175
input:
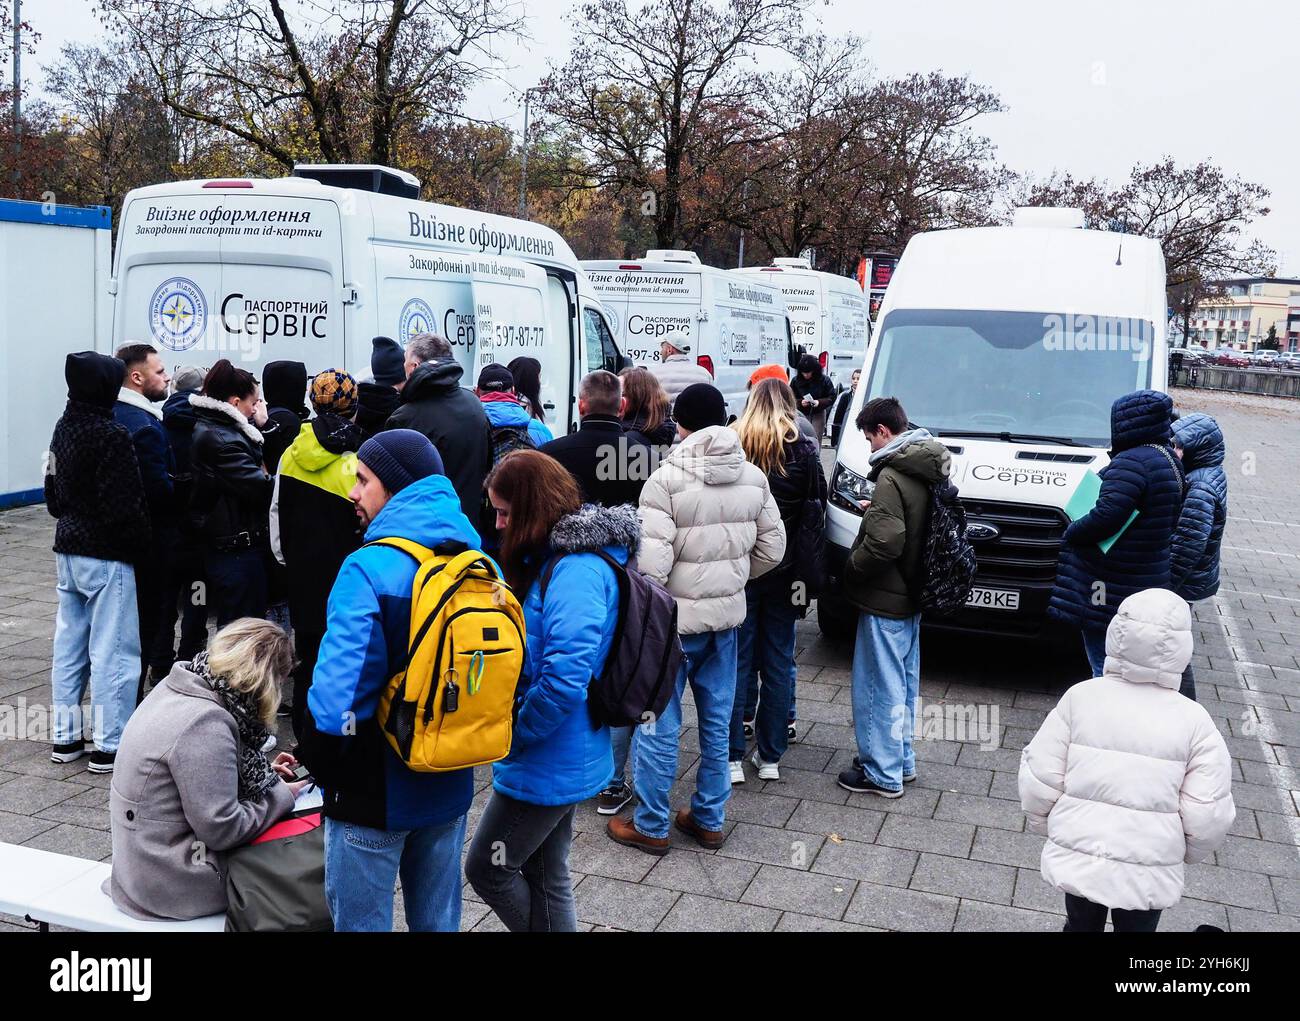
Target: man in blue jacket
x,y
1194,575
139,410
383,819
1143,476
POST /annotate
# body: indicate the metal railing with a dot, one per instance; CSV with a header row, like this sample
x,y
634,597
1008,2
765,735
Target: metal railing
x,y
1273,382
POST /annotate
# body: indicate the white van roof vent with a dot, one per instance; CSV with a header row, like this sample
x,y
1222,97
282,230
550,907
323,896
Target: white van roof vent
x,y
362,177
671,255
796,263
1047,216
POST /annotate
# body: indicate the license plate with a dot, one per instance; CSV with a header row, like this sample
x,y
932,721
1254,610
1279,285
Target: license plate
x,y
994,599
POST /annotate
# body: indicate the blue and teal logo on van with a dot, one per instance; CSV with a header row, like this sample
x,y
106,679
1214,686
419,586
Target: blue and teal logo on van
x,y
417,317
178,313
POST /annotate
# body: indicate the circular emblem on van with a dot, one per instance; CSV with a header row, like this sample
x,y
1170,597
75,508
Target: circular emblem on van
x,y
724,342
615,321
978,531
416,318
178,313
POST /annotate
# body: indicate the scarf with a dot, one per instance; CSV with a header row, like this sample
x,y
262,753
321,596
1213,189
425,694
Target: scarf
x,y
256,776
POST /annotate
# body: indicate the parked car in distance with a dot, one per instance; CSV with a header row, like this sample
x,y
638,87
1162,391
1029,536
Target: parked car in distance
x,y
1230,359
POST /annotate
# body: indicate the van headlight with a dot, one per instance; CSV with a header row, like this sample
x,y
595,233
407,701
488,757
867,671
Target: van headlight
x,y
848,489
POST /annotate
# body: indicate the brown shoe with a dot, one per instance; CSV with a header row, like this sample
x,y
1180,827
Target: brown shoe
x,y
711,839
622,831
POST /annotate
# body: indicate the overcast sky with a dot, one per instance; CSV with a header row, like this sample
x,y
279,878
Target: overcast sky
x,y
1089,88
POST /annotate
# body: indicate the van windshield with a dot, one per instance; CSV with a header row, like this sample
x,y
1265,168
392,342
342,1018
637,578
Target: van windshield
x,y
1025,374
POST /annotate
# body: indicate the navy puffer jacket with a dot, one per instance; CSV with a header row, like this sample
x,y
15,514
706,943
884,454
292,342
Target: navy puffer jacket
x,y
1195,571
1143,475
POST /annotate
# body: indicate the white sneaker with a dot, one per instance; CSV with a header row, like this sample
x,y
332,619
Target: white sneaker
x,y
766,770
269,744
737,773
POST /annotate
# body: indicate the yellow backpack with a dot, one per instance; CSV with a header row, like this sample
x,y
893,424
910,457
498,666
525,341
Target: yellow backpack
x,y
451,707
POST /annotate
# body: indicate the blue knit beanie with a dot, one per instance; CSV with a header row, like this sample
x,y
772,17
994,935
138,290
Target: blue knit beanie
x,y
399,457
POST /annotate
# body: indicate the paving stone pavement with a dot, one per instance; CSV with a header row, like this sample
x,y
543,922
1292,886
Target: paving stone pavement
x,y
804,855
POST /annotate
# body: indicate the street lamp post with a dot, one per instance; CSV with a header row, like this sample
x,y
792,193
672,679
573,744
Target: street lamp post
x,y
18,80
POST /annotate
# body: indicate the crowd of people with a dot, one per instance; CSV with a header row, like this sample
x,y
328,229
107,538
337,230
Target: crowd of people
x,y
288,516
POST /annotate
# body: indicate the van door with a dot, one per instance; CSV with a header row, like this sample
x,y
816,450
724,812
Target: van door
x,y
560,372
253,278
168,279
599,349
848,334
746,334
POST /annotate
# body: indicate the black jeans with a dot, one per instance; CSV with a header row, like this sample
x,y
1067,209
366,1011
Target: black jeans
x,y
237,584
518,863
306,644
183,594
1082,915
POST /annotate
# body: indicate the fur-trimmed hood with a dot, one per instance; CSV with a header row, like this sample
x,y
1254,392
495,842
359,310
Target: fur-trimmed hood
x,y
204,403
593,527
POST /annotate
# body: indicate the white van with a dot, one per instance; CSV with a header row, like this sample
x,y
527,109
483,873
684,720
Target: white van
x,y
732,326
1010,344
312,267
828,314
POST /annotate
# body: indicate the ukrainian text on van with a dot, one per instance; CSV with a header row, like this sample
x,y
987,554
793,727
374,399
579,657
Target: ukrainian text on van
x,y
729,325
828,314
304,269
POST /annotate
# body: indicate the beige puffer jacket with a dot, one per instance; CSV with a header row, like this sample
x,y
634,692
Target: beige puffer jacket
x,y
1127,778
709,524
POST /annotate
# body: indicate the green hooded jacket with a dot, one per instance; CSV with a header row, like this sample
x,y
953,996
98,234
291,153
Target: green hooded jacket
x,y
882,574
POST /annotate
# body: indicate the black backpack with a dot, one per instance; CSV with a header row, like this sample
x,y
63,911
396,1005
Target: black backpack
x,y
948,560
506,439
641,669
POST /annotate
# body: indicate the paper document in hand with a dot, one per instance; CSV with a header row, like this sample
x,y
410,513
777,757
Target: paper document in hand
x,y
1084,499
309,797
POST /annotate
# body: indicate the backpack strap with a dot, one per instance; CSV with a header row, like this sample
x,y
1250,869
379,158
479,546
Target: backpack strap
x,y
418,552
548,568
414,550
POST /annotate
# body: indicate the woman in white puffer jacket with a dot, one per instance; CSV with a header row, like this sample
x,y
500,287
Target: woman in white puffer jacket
x,y
1128,779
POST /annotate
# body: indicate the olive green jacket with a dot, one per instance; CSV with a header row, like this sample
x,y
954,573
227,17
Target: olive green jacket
x,y
882,575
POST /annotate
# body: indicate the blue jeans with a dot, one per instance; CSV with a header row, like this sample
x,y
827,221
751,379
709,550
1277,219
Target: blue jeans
x,y
621,739
362,866
710,667
886,679
766,643
96,641
1094,644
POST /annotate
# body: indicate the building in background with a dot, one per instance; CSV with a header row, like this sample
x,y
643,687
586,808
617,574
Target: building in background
x,y
1242,313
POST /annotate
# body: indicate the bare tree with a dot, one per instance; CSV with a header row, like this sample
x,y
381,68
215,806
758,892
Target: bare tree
x,y
933,170
656,95
339,81
1198,213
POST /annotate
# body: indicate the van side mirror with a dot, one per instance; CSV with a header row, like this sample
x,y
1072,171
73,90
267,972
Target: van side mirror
x,y
623,362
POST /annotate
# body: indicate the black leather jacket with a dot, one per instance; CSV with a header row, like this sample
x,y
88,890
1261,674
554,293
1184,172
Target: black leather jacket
x,y
231,490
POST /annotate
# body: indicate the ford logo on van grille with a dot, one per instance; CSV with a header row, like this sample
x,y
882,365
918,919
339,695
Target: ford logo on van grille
x,y
978,531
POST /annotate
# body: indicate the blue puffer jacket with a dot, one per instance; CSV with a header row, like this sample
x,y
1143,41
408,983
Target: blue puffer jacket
x,y
502,413
1143,475
1195,573
558,757
367,631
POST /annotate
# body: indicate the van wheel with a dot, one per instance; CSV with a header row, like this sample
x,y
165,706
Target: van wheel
x,y
836,620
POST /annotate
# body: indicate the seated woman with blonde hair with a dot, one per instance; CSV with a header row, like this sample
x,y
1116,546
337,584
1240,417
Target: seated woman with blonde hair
x,y
191,781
